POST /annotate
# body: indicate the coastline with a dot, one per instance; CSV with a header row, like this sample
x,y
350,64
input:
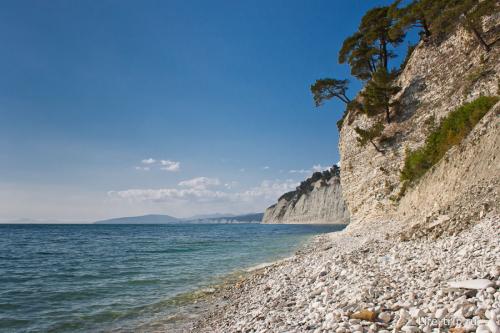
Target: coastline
x,y
196,304
359,281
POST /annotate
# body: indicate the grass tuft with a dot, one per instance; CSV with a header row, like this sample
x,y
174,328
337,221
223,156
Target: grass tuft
x,y
452,130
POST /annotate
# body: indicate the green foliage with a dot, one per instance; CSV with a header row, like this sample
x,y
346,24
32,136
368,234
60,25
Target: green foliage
x,y
473,12
468,12
325,89
353,106
440,17
340,122
364,136
419,14
369,135
368,48
380,31
378,92
401,193
361,57
452,130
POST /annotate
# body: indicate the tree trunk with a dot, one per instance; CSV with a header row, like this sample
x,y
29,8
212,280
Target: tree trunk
x,y
384,53
480,39
387,115
376,148
346,98
371,66
426,28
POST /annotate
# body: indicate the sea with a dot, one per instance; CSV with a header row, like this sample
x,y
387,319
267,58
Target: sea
x,y
127,278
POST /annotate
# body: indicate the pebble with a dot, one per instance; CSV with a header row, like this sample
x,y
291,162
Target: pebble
x,y
440,313
385,317
346,288
471,284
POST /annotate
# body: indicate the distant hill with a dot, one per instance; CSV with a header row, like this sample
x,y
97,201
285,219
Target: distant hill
x,y
166,219
144,219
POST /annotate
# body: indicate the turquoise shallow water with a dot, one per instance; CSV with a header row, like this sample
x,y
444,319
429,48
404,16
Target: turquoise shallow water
x,y
100,278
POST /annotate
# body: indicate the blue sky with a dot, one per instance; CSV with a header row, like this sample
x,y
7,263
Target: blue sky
x,y
91,91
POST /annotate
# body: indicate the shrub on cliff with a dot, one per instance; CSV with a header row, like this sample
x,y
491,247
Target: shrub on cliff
x,y
378,92
452,130
369,135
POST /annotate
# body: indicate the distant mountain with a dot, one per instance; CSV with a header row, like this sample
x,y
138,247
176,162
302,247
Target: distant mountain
x,y
166,219
144,219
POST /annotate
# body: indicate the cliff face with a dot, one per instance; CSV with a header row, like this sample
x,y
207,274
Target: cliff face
x,y
317,200
461,189
436,80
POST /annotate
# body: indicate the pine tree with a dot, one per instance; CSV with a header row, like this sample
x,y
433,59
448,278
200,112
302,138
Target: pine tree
x,y
369,48
361,57
473,12
470,13
326,89
417,14
369,135
378,92
379,30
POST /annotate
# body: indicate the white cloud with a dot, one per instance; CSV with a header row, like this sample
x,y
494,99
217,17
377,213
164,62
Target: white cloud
x,y
168,165
148,161
168,194
200,183
300,171
319,167
270,190
265,168
231,185
242,170
142,168
196,191
314,168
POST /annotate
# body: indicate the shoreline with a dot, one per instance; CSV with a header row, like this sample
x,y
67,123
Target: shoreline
x,y
358,281
198,302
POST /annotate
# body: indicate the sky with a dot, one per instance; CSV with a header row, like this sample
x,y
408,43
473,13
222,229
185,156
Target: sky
x,y
115,107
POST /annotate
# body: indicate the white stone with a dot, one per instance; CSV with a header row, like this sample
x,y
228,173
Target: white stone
x,y
471,284
482,328
469,327
385,317
410,329
416,313
400,323
492,325
440,313
403,314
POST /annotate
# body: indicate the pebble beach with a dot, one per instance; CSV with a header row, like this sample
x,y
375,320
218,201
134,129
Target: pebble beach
x,y
358,281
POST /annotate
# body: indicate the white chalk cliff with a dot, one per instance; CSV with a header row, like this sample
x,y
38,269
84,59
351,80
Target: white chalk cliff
x,y
317,200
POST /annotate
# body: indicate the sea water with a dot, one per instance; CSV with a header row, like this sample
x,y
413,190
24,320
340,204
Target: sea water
x,y
102,278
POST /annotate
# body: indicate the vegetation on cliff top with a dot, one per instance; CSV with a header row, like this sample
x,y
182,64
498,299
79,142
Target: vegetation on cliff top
x,y
307,185
451,131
